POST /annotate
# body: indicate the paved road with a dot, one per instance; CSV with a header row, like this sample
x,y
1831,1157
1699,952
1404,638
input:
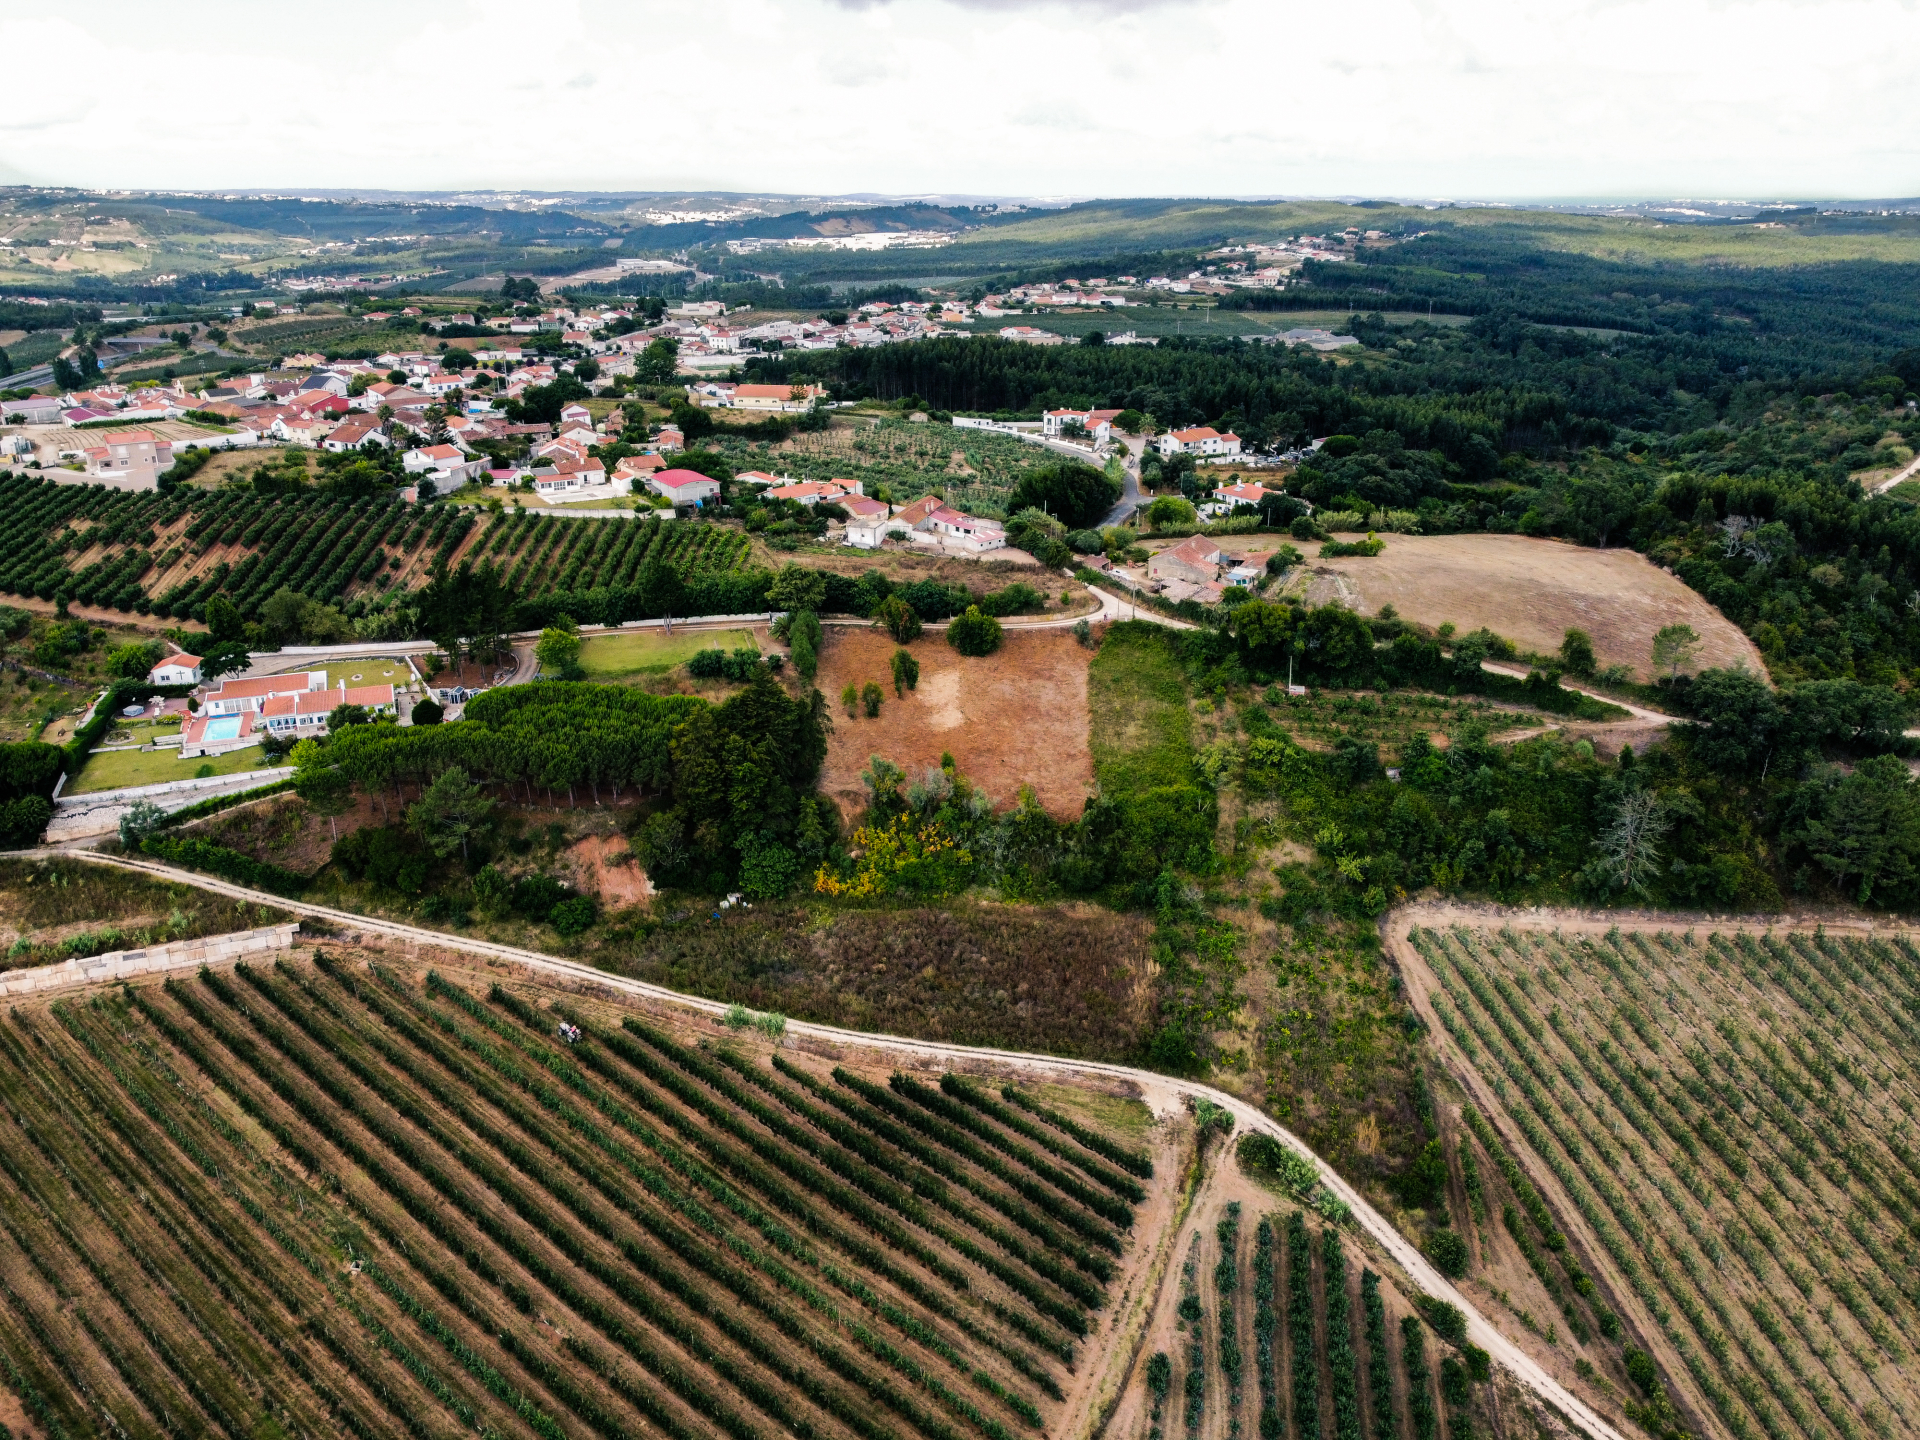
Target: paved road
x,y
1130,496
1164,1095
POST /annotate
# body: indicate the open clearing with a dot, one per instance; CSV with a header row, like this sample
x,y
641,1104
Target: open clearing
x,y
652,652
1722,1123
1533,592
353,1196
1016,718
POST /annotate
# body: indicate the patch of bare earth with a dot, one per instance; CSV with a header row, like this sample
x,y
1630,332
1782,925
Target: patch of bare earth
x,y
1533,592
603,866
1014,718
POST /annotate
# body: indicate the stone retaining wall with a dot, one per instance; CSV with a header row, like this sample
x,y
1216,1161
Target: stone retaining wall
x,y
126,964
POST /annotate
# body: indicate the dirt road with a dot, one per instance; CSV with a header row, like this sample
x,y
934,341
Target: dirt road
x,y
1164,1095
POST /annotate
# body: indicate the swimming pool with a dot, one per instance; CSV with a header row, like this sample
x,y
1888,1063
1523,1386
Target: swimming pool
x,y
222,727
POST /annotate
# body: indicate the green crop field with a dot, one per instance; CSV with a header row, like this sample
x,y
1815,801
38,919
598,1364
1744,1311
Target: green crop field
x,y
1725,1122
371,1206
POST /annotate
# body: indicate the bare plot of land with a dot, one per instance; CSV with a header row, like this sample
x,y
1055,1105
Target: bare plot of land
x,y
1533,592
1015,718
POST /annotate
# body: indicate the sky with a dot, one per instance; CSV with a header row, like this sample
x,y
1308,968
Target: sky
x,y
1462,99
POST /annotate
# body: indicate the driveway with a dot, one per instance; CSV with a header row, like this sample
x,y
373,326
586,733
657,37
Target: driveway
x,y
1164,1095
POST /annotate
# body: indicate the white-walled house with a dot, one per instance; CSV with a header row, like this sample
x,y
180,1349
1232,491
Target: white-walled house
x,y
686,487
1201,440
176,670
238,697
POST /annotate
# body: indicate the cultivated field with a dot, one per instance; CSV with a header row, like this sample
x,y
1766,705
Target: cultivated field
x,y
1533,592
1016,718
1722,1124
333,1197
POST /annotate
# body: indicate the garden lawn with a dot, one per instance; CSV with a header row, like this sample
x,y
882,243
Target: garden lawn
x,y
120,768
609,657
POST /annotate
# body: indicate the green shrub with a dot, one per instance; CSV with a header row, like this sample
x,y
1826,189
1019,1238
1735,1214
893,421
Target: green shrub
x,y
574,916
974,633
1446,1318
1448,1252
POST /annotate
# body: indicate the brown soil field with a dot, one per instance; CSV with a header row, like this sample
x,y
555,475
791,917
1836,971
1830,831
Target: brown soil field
x,y
1015,718
1533,592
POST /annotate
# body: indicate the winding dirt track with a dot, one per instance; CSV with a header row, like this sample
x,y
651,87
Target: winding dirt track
x,y
1163,1094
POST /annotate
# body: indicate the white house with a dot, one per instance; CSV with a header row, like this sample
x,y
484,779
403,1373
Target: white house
x,y
176,670
306,711
244,697
773,397
868,522
1098,424
969,530
686,487
1201,440
1227,496
129,459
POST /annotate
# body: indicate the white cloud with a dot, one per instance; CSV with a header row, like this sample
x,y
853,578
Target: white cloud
x,y
1109,97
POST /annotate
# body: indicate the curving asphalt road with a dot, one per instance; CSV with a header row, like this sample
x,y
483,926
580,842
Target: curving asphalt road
x,y
1163,1094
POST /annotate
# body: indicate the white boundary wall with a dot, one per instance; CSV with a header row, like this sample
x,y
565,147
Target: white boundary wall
x,y
125,964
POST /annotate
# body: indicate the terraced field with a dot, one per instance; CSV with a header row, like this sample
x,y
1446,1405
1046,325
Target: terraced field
x,y
1722,1125
333,1197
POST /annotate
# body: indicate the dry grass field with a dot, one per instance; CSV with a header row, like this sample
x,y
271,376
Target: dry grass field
x,y
1016,718
1533,592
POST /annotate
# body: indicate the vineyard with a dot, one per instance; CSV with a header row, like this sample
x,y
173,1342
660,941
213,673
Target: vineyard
x,y
1276,1333
1726,1124
976,468
167,555
335,1198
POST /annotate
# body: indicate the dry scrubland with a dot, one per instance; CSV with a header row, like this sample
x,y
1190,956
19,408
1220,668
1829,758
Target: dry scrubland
x,y
52,910
339,1197
1018,718
1533,592
1723,1126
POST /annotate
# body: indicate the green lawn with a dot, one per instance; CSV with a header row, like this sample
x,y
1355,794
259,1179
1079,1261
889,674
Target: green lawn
x,y
373,670
151,767
649,652
1142,733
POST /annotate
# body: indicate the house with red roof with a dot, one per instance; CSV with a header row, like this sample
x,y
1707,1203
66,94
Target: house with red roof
x,y
128,459
243,697
181,669
1200,440
304,712
1195,560
1228,496
685,487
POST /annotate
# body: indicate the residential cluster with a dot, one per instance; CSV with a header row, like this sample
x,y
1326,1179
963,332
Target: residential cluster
x,y
234,713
